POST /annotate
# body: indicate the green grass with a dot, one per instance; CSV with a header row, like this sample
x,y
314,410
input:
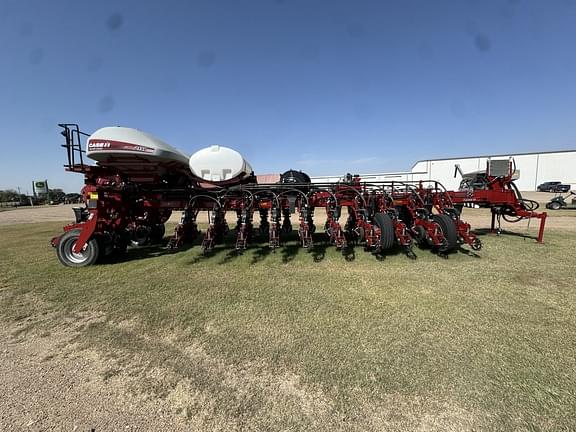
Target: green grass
x,y
278,341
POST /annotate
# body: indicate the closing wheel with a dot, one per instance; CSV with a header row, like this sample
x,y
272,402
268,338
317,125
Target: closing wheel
x,y
449,231
65,250
141,235
476,244
384,222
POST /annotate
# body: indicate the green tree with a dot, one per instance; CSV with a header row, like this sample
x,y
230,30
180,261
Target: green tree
x,y
9,195
57,195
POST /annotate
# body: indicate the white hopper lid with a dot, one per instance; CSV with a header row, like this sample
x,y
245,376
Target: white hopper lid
x,y
117,140
219,164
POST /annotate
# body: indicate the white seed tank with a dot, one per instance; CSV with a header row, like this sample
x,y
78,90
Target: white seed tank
x,y
217,164
111,144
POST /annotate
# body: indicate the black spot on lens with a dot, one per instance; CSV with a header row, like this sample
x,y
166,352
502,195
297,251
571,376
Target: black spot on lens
x,y
114,21
36,56
106,104
206,59
482,42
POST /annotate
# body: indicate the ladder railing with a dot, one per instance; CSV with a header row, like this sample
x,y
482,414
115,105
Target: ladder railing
x,y
73,145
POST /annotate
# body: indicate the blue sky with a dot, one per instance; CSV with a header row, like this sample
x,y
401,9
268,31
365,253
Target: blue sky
x,y
323,86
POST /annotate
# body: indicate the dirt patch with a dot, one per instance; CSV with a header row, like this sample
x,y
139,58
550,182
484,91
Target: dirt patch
x,y
49,383
46,385
38,214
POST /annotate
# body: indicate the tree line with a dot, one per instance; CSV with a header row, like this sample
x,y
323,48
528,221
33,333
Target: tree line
x,y
55,196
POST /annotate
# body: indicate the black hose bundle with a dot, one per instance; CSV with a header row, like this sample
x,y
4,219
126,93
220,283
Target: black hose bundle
x,y
509,215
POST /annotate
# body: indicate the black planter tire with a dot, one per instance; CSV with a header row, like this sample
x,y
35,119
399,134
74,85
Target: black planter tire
x,y
449,231
141,235
387,235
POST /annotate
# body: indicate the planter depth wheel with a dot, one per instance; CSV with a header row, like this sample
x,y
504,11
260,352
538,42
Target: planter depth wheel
x,y
87,256
387,234
448,228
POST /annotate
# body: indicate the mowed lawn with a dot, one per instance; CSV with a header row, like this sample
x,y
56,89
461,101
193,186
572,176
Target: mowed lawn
x,y
293,340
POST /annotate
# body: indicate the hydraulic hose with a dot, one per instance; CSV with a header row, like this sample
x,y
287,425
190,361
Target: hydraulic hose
x,y
527,204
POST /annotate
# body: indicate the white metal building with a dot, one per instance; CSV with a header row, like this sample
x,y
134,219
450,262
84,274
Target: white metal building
x,y
534,168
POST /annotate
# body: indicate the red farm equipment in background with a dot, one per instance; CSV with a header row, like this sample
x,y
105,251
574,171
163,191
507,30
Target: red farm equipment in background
x,y
139,181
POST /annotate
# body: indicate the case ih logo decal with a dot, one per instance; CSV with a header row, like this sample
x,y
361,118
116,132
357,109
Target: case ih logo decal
x,y
97,145
105,145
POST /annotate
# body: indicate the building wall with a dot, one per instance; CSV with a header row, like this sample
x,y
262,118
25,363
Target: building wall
x,y
557,166
535,168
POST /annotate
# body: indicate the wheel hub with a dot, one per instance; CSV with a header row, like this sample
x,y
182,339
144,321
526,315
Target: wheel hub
x,y
74,257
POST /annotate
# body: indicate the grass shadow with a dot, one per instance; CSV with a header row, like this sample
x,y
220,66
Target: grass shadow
x,y
289,252
488,231
395,251
349,253
467,252
232,255
205,256
319,247
261,252
318,251
142,252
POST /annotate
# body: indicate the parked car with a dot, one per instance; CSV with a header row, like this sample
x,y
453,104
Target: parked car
x,y
554,186
72,198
